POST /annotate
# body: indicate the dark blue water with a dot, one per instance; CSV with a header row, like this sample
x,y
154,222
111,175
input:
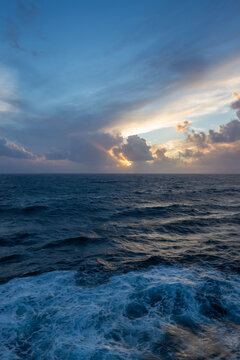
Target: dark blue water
x,y
119,267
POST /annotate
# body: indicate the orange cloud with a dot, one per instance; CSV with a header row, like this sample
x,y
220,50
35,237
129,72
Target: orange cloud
x,y
236,95
120,158
183,126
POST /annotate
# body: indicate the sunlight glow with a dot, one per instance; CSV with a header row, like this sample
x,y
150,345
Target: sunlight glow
x,y
121,159
203,97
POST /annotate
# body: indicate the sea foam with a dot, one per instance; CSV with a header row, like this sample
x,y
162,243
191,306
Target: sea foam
x,y
164,312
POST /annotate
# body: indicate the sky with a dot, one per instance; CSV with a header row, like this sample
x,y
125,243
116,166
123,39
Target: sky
x,y
130,86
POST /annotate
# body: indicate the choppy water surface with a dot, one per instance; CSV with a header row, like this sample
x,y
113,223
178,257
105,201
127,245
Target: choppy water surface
x,y
119,267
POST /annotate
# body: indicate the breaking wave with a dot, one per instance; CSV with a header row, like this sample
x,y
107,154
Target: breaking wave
x,y
164,312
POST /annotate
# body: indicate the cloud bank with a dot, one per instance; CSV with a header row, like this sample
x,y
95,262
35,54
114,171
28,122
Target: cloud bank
x,y
207,152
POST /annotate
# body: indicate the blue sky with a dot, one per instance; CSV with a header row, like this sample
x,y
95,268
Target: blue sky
x,y
100,86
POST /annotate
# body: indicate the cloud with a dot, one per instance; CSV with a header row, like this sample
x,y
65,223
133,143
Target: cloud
x,y
219,160
214,150
135,149
14,151
178,103
184,126
120,104
160,153
236,104
106,152
227,133
10,102
102,150
199,139
190,154
161,81
91,150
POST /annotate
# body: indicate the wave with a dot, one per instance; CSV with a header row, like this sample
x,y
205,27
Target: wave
x,y
24,209
73,241
162,211
10,258
196,224
166,312
10,240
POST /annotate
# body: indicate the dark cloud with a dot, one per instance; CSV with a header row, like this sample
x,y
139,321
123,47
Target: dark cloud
x,y
220,160
14,151
227,133
236,104
94,149
160,153
88,149
190,154
214,151
199,139
163,162
135,149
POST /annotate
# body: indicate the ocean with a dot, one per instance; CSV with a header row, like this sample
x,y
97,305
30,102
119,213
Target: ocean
x,y
116,267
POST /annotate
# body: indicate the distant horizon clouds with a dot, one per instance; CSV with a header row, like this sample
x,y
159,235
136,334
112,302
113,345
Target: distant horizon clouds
x,y
105,87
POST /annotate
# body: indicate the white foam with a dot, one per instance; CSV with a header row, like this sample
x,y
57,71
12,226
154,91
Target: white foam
x,y
133,316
